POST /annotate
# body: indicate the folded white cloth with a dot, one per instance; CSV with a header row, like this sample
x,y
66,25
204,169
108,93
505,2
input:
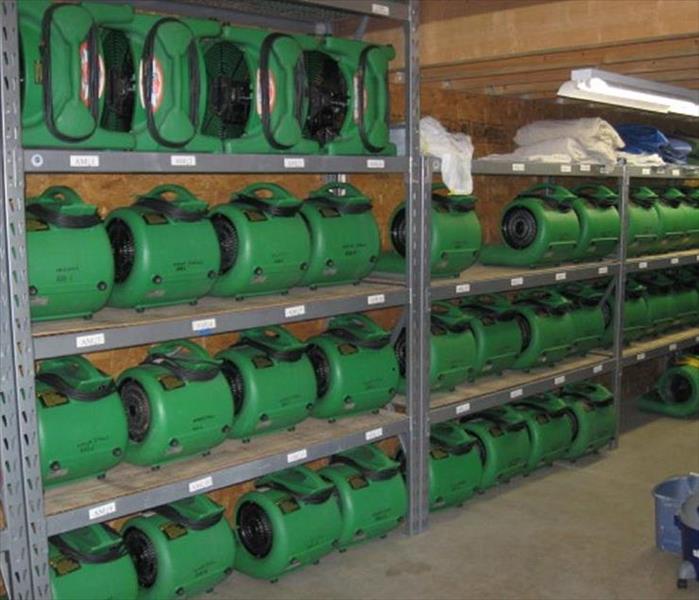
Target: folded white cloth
x,y
642,160
455,151
560,150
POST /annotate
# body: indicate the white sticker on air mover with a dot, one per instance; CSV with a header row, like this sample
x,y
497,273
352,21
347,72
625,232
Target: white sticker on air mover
x,y
602,270
203,325
294,163
561,276
640,356
381,9
295,311
183,160
672,347
200,484
674,261
643,265
101,511
597,369
375,299
463,408
375,163
515,281
296,456
516,393
84,161
463,288
373,434
87,341
560,380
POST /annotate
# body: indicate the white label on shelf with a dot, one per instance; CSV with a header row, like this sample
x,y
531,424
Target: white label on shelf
x,y
515,281
375,163
518,167
674,261
200,484
295,311
101,511
640,356
566,169
183,160
294,163
372,434
86,341
463,288
602,270
381,9
561,276
597,369
89,161
560,380
295,456
204,325
585,168
645,171
672,347
463,408
643,264
375,299
516,393
696,339
675,172
697,257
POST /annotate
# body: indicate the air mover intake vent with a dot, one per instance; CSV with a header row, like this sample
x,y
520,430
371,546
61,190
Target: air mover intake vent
x,y
321,367
328,98
679,389
230,91
227,240
123,249
143,555
519,227
525,329
398,235
235,382
137,408
400,348
119,94
255,529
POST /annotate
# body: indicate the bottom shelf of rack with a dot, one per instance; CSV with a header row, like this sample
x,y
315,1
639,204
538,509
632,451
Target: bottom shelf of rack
x,y
129,489
659,346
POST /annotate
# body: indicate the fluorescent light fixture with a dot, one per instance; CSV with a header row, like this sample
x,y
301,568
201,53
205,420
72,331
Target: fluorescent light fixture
x,y
595,85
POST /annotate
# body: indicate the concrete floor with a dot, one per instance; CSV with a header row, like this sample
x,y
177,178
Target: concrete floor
x,y
582,531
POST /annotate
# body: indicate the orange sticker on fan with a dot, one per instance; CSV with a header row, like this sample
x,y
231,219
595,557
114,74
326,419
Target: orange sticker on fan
x,y
272,93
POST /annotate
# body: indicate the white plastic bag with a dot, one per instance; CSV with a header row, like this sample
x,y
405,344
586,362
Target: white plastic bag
x,y
455,151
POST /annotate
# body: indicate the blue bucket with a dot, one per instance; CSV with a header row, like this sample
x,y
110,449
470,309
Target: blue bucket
x,y
669,496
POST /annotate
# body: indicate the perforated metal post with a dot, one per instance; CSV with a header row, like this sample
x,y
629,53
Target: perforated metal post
x,y
22,492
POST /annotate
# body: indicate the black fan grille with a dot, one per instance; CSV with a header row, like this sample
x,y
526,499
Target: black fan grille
x,y
400,350
321,367
519,227
123,249
119,91
255,529
228,241
398,233
230,91
143,555
525,329
327,95
235,382
679,388
137,409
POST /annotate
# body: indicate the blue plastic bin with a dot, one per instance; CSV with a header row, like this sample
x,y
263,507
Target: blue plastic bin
x,y
669,496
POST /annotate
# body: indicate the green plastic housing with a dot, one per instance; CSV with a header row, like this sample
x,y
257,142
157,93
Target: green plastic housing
x,y
548,329
598,216
454,467
271,381
676,393
63,74
591,316
644,232
91,563
344,235
165,250
69,259
82,426
685,296
549,427
177,403
293,519
691,198
660,300
371,491
636,319
180,550
591,409
503,442
355,366
539,227
265,244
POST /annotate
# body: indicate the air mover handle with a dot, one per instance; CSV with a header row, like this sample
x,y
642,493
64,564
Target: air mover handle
x,y
553,414
554,195
454,202
370,461
352,202
76,377
548,299
379,99
276,342
672,195
63,207
449,317
360,330
95,544
185,359
451,438
300,482
197,513
184,206
643,196
599,195
276,201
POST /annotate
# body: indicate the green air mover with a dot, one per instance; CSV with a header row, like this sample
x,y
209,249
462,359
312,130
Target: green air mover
x,y
455,235
156,82
165,250
644,232
596,208
550,430
675,215
292,519
592,411
660,299
496,330
70,265
547,328
82,426
685,296
181,549
454,466
691,199
265,245
91,563
591,316
355,366
371,491
676,393
348,95
177,403
503,442
344,235
452,348
636,319
271,381
538,227
63,77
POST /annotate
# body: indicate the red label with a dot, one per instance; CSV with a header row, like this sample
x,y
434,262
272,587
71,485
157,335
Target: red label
x,y
272,93
155,94
85,75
